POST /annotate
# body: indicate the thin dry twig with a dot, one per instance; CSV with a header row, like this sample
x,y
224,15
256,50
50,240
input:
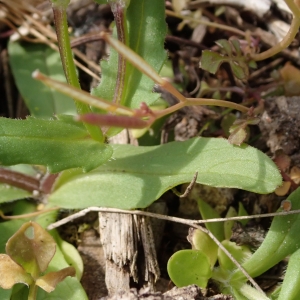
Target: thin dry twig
x,y
188,189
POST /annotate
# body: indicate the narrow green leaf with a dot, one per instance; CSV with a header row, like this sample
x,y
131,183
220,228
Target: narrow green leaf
x,y
282,240
137,176
207,212
71,255
290,288
146,31
41,101
56,144
229,224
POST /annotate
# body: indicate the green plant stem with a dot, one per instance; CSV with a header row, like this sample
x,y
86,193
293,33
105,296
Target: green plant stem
x,y
118,9
215,102
294,6
83,96
284,43
200,101
32,291
61,26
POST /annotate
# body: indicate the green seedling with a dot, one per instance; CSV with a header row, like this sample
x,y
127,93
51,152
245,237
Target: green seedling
x,y
29,252
232,54
280,242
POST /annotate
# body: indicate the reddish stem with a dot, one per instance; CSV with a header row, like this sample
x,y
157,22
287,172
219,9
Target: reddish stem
x,y
19,180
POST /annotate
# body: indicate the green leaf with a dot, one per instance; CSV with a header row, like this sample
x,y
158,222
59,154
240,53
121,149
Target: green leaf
x,y
7,229
41,101
290,288
242,212
224,44
146,31
9,193
70,288
71,255
201,241
229,224
240,253
207,212
188,267
211,61
5,294
56,144
137,176
282,240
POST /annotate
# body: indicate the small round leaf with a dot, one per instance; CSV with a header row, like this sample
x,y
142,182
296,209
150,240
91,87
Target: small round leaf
x,y
188,267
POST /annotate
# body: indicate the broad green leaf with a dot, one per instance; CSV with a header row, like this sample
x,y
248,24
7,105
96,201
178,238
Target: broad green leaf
x,y
9,193
137,176
146,30
41,101
188,267
282,240
56,144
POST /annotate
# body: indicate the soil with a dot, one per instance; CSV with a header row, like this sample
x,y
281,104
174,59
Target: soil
x,y
277,133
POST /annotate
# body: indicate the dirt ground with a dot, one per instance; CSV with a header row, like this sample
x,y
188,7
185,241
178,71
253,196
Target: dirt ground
x,y
277,133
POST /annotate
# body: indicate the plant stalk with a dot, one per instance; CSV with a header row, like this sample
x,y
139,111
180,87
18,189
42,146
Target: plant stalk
x,y
118,9
61,27
32,291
